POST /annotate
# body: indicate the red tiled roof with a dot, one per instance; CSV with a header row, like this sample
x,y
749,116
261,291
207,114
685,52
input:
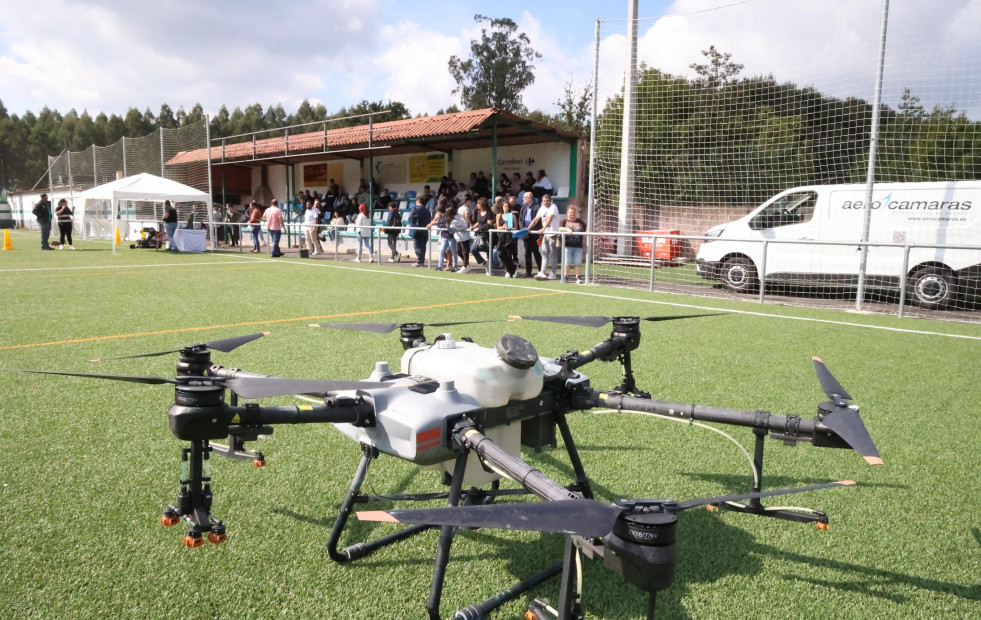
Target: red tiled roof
x,y
444,125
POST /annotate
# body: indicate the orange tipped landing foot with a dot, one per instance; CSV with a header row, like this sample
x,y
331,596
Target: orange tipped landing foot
x,y
193,541
259,462
824,527
712,508
216,539
169,521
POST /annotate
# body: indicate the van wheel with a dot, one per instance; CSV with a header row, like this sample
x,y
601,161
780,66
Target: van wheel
x,y
931,288
739,275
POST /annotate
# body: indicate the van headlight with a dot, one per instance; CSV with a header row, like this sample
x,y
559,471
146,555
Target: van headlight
x,y
712,235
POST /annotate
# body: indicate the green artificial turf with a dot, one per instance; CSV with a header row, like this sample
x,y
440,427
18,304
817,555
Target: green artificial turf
x,y
87,465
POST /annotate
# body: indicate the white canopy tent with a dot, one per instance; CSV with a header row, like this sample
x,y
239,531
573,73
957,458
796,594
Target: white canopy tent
x,y
142,187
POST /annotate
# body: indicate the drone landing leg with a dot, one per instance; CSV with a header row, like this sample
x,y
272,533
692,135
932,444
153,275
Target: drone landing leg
x,y
570,601
446,538
354,496
756,507
582,482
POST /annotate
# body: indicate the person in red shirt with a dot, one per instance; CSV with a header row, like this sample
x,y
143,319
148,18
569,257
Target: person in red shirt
x,y
274,224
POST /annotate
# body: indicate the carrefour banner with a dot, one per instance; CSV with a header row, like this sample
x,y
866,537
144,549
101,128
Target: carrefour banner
x,y
427,168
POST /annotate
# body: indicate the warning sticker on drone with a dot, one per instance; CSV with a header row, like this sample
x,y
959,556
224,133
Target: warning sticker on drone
x,y
428,439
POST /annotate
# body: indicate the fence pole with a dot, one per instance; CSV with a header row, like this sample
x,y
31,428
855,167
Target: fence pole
x,y
490,250
207,204
624,224
873,147
592,156
761,275
902,281
650,283
561,260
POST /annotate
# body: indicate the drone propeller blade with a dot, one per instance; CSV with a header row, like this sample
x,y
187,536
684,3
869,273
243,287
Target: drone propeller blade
x,y
673,317
230,344
600,321
721,499
829,384
384,328
584,517
268,387
457,323
583,321
375,328
226,345
129,378
847,424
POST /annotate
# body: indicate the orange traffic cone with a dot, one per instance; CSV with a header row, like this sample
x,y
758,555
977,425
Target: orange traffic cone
x,y
6,240
118,240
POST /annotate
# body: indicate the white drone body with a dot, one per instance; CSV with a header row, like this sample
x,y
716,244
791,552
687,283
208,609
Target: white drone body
x,y
483,383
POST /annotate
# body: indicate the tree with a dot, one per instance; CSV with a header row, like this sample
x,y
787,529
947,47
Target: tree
x,y
305,113
501,65
396,110
136,124
574,108
718,71
166,119
196,115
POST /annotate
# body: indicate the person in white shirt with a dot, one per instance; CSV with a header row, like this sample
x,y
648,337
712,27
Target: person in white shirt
x,y
542,186
548,215
311,232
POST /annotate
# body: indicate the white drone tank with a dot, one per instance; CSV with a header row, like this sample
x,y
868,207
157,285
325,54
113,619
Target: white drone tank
x,y
492,377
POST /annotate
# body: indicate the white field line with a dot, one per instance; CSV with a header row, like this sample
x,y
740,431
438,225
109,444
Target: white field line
x,y
120,266
332,265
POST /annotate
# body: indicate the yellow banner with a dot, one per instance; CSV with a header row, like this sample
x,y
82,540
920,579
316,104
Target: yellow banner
x,y
427,168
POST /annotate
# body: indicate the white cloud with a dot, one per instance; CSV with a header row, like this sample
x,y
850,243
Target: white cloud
x,y
110,55
413,68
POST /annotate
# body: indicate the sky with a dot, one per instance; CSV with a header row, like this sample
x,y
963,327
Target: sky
x,y
110,55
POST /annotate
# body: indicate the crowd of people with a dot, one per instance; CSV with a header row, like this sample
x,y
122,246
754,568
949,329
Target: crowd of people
x,y
473,220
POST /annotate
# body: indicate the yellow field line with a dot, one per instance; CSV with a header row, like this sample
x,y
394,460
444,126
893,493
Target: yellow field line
x,y
271,321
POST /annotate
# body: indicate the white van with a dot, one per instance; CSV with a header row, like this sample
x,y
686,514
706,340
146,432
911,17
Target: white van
x,y
947,213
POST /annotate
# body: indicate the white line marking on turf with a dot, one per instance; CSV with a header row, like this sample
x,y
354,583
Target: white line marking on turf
x,y
120,266
307,263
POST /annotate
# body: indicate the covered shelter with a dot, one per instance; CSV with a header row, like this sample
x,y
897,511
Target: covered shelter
x,y
401,155
142,187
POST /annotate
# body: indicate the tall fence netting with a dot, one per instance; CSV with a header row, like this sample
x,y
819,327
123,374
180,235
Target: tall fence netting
x,y
151,153
762,97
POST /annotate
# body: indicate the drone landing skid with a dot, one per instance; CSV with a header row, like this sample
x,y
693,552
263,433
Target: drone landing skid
x,y
456,496
755,507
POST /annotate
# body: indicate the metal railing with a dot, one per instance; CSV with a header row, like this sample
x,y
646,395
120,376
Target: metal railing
x,y
650,269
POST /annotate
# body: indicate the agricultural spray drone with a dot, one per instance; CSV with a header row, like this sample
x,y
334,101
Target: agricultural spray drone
x,y
467,410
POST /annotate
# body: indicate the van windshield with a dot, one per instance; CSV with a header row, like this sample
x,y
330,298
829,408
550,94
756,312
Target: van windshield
x,y
796,208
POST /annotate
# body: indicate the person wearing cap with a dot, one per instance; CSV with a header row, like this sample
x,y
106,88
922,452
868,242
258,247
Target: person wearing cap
x,y
362,224
42,211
